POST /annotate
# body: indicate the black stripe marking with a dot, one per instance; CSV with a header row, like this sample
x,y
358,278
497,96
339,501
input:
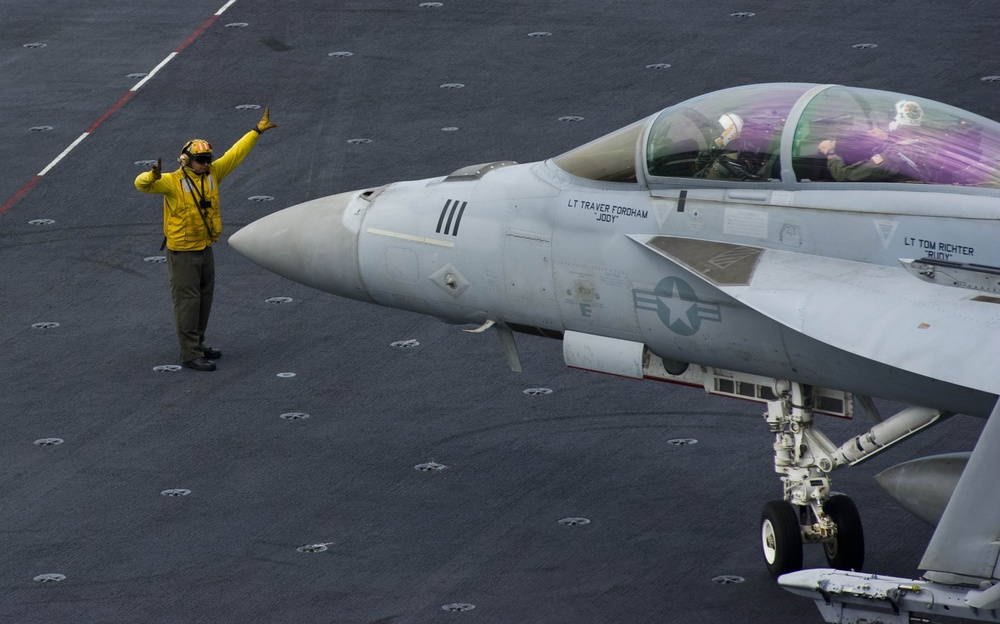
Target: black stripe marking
x,y
441,218
681,201
461,211
451,215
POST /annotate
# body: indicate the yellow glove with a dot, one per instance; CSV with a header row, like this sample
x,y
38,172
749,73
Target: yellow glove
x,y
265,122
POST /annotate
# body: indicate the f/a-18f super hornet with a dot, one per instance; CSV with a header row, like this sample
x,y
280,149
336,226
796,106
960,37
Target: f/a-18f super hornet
x,y
806,246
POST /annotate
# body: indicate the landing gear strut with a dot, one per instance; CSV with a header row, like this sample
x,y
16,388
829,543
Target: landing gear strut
x,y
810,513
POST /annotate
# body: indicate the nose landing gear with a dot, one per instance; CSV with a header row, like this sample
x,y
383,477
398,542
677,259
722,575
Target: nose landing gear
x,y
810,513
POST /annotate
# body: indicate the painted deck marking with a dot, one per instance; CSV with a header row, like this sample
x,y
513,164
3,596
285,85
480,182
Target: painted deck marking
x,y
125,98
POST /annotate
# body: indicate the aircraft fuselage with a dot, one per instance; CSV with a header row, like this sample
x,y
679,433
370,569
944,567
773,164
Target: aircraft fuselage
x,y
533,247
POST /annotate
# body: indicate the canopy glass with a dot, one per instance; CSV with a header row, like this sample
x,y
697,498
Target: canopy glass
x,y
792,133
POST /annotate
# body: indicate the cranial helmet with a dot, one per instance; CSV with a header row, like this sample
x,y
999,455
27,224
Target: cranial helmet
x,y
197,150
732,126
908,113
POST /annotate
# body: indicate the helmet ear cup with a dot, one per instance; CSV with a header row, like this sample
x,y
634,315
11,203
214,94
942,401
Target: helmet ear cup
x,y
184,158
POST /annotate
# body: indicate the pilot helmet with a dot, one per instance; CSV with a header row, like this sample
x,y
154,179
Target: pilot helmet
x,y
732,126
196,150
908,113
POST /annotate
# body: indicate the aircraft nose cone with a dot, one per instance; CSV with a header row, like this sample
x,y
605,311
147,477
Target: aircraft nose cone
x,y
314,243
924,486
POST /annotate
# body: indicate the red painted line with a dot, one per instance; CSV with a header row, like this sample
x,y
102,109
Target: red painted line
x,y
111,111
18,195
197,32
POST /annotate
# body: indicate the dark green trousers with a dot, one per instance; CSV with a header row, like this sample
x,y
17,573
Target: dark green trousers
x,y
192,286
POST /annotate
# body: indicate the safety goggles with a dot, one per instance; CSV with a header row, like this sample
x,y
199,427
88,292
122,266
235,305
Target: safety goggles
x,y
202,159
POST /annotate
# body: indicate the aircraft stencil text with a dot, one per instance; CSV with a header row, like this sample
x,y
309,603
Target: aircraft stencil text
x,y
608,213
939,250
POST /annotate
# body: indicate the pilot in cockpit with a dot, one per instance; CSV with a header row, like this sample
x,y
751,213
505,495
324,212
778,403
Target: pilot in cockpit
x,y
729,157
896,153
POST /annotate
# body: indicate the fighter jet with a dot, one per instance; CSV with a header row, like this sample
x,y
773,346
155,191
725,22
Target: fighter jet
x,y
806,246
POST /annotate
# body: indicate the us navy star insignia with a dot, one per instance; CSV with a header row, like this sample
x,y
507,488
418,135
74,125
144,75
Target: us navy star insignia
x,y
677,306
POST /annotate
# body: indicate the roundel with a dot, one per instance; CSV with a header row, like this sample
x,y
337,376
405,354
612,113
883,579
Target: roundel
x,y
677,306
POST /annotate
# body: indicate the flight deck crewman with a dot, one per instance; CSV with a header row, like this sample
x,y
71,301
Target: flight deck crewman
x,y
191,223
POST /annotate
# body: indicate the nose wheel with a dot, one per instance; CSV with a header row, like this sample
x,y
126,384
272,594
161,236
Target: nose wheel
x,y
785,527
846,549
781,537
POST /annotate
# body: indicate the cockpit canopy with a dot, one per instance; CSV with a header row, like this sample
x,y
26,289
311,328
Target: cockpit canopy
x,y
773,133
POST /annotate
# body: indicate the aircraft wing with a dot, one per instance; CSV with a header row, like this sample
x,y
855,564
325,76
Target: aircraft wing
x,y
966,539
881,313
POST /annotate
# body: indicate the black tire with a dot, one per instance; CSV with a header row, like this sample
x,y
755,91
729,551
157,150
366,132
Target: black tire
x,y
781,538
847,550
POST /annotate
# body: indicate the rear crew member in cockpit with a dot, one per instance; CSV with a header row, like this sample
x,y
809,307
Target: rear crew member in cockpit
x,y
896,158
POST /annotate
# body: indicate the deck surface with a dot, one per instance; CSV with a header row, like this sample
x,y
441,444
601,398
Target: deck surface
x,y
322,516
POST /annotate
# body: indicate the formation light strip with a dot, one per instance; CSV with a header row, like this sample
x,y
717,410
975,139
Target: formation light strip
x,y
411,237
